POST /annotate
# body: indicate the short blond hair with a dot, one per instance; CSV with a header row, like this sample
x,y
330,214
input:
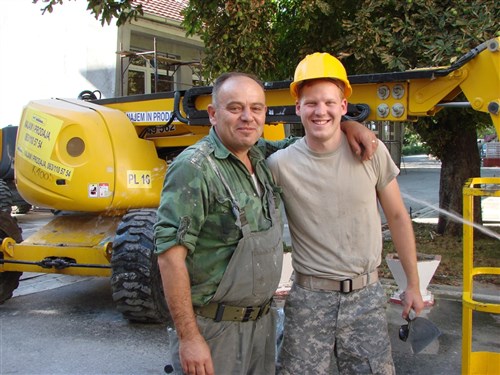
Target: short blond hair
x,y
336,82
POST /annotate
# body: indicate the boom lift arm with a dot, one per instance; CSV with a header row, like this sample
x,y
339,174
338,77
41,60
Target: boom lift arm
x,y
399,96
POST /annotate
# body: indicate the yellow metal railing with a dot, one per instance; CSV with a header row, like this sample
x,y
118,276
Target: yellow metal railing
x,y
479,362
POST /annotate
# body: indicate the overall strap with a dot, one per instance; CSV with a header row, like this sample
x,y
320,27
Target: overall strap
x,y
238,212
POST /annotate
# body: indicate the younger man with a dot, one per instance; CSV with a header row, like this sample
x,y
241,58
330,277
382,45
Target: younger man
x,y
336,304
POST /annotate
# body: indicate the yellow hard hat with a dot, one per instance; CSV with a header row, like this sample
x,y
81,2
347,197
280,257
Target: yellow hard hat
x,y
320,65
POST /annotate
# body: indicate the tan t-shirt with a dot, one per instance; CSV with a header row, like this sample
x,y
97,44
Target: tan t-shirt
x,y
332,208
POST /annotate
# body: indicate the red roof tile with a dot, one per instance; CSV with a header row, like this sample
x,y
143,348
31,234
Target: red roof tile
x,y
170,9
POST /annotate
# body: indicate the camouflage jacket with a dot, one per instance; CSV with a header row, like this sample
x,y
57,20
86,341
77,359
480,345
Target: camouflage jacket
x,y
195,208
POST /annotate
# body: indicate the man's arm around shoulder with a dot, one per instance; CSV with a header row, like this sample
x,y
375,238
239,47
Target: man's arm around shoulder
x,y
362,140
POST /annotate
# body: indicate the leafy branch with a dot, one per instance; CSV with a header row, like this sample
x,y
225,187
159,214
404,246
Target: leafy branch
x,y
103,10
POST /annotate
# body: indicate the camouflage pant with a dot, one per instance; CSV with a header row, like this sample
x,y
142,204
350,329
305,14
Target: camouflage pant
x,y
320,326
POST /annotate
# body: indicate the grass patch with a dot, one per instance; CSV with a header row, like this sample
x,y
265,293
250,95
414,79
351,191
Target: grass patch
x,y
450,270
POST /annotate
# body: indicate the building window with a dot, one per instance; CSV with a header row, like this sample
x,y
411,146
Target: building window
x,y
143,77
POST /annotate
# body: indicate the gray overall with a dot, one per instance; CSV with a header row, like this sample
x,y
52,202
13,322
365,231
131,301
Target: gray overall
x,y
251,278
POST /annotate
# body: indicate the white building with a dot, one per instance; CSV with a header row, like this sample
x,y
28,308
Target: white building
x,y
63,53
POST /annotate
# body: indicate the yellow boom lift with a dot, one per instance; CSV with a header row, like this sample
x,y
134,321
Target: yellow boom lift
x,y
101,164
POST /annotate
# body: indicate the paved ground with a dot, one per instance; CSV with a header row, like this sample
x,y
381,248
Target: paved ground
x,y
60,324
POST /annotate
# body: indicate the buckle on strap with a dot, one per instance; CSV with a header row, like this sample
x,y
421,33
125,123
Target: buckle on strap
x,y
248,313
254,313
264,309
346,286
221,312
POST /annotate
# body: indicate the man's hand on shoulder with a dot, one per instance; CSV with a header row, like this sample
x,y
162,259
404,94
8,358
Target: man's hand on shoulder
x,y
362,140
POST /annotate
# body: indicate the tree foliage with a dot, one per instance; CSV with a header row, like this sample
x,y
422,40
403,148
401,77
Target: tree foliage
x,y
418,33
103,10
236,34
304,27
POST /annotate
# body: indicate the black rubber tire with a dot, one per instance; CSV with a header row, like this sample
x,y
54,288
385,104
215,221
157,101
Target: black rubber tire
x,y
9,280
136,281
5,197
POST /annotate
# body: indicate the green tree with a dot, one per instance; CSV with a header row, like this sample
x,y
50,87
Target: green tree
x,y
103,10
304,27
236,34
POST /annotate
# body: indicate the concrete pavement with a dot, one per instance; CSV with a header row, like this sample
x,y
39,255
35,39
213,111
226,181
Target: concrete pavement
x,y
76,330
58,324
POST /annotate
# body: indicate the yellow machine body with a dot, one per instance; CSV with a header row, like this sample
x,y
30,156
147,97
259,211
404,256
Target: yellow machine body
x,y
74,155
74,245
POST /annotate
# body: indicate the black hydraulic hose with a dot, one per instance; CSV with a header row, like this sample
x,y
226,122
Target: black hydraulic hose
x,y
88,95
360,112
170,120
177,112
463,60
429,73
